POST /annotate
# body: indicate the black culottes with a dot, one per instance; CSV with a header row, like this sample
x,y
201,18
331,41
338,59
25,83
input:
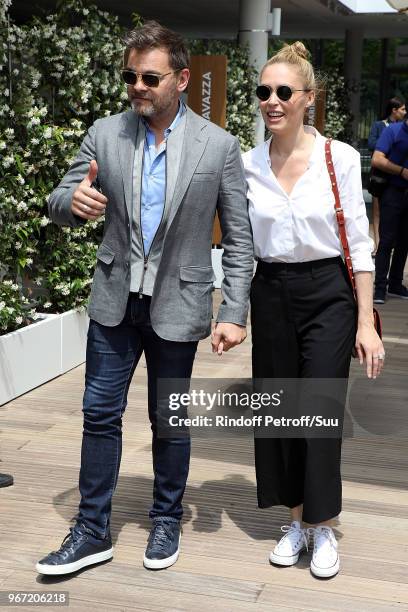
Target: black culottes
x,y
303,319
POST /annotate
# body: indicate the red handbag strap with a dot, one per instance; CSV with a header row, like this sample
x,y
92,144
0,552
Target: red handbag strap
x,y
339,214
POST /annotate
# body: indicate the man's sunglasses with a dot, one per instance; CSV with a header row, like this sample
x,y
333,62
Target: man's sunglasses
x,y
149,80
284,92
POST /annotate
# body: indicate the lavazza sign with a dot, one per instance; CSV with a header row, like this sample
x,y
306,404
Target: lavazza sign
x,y
206,96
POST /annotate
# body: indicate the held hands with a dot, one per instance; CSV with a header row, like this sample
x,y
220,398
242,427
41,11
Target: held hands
x,y
225,336
370,349
87,202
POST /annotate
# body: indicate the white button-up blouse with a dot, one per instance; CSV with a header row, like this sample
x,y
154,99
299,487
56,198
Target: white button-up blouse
x,y
302,226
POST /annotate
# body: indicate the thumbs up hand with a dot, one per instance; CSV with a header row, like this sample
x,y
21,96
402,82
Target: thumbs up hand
x,y
87,202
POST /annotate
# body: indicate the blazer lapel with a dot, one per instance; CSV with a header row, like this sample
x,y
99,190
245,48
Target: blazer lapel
x,y
193,147
130,142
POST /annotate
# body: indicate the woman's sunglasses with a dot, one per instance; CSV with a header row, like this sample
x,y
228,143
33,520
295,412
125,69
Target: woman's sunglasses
x,y
284,92
149,80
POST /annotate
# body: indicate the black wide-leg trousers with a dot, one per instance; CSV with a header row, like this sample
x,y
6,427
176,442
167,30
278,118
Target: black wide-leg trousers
x,y
303,319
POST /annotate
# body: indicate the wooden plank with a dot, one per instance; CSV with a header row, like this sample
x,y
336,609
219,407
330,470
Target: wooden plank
x,y
226,538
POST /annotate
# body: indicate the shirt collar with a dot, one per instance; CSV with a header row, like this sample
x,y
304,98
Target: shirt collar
x,y
317,149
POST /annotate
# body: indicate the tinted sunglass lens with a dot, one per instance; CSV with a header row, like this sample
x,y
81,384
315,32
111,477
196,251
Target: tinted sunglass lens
x,y
263,92
129,77
284,93
150,80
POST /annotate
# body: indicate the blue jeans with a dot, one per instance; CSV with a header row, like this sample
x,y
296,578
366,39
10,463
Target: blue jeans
x,y
111,359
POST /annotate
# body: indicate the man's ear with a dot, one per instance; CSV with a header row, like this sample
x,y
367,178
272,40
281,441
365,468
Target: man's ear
x,y
184,77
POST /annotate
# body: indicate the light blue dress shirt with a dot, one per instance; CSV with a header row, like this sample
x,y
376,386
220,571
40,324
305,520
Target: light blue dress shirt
x,y
154,182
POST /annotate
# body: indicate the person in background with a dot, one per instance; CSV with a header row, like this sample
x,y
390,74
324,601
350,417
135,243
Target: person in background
x,y
305,321
394,111
391,156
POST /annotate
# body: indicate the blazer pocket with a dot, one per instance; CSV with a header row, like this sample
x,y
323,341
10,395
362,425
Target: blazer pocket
x,y
105,255
197,274
203,176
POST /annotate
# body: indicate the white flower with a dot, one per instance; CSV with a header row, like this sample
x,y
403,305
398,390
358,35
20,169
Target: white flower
x,y
18,245
2,305
7,161
44,221
29,261
34,121
47,305
14,286
22,206
20,180
47,132
9,132
19,320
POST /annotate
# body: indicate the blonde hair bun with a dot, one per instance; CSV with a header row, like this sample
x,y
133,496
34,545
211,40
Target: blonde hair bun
x,y
300,50
298,56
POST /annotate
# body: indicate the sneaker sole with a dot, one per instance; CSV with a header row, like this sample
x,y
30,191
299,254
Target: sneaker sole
x,y
379,301
397,295
326,572
56,570
286,561
162,563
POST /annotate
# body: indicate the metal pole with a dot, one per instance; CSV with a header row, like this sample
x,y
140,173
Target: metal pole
x,y
253,32
352,69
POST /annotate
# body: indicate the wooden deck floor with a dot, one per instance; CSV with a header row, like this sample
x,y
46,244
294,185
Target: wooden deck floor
x,y
226,541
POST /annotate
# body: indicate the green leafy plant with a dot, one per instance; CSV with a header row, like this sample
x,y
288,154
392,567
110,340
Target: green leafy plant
x,y
15,309
57,75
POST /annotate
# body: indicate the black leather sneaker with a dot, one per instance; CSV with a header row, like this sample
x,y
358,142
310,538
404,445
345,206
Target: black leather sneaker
x,y
379,296
6,480
78,549
163,546
400,292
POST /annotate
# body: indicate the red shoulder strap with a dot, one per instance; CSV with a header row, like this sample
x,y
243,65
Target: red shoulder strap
x,y
339,214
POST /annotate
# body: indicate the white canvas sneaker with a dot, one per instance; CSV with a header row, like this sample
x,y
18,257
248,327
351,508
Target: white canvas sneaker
x,y
325,560
289,547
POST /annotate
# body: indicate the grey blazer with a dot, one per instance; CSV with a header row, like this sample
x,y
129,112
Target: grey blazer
x,y
209,177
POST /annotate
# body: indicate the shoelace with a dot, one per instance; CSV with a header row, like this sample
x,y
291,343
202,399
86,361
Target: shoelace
x,y
289,530
160,535
323,533
70,539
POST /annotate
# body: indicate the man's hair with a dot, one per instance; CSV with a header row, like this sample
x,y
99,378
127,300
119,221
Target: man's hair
x,y
391,104
152,35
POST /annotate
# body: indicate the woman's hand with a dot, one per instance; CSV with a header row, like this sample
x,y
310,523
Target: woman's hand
x,y
370,349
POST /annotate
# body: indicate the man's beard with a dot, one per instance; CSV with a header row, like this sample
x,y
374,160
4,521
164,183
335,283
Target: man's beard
x,y
143,109
156,107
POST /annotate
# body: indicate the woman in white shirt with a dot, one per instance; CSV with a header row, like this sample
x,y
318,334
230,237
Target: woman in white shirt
x,y
305,321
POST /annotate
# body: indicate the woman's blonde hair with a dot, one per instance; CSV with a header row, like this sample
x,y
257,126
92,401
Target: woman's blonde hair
x,y
296,55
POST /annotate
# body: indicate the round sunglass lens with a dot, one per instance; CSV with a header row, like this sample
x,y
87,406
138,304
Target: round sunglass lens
x,y
129,77
284,93
263,92
150,80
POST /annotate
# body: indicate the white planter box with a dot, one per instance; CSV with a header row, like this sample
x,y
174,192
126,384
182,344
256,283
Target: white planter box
x,y
29,357
39,352
74,329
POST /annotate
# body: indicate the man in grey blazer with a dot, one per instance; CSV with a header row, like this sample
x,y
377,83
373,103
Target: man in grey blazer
x,y
161,173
